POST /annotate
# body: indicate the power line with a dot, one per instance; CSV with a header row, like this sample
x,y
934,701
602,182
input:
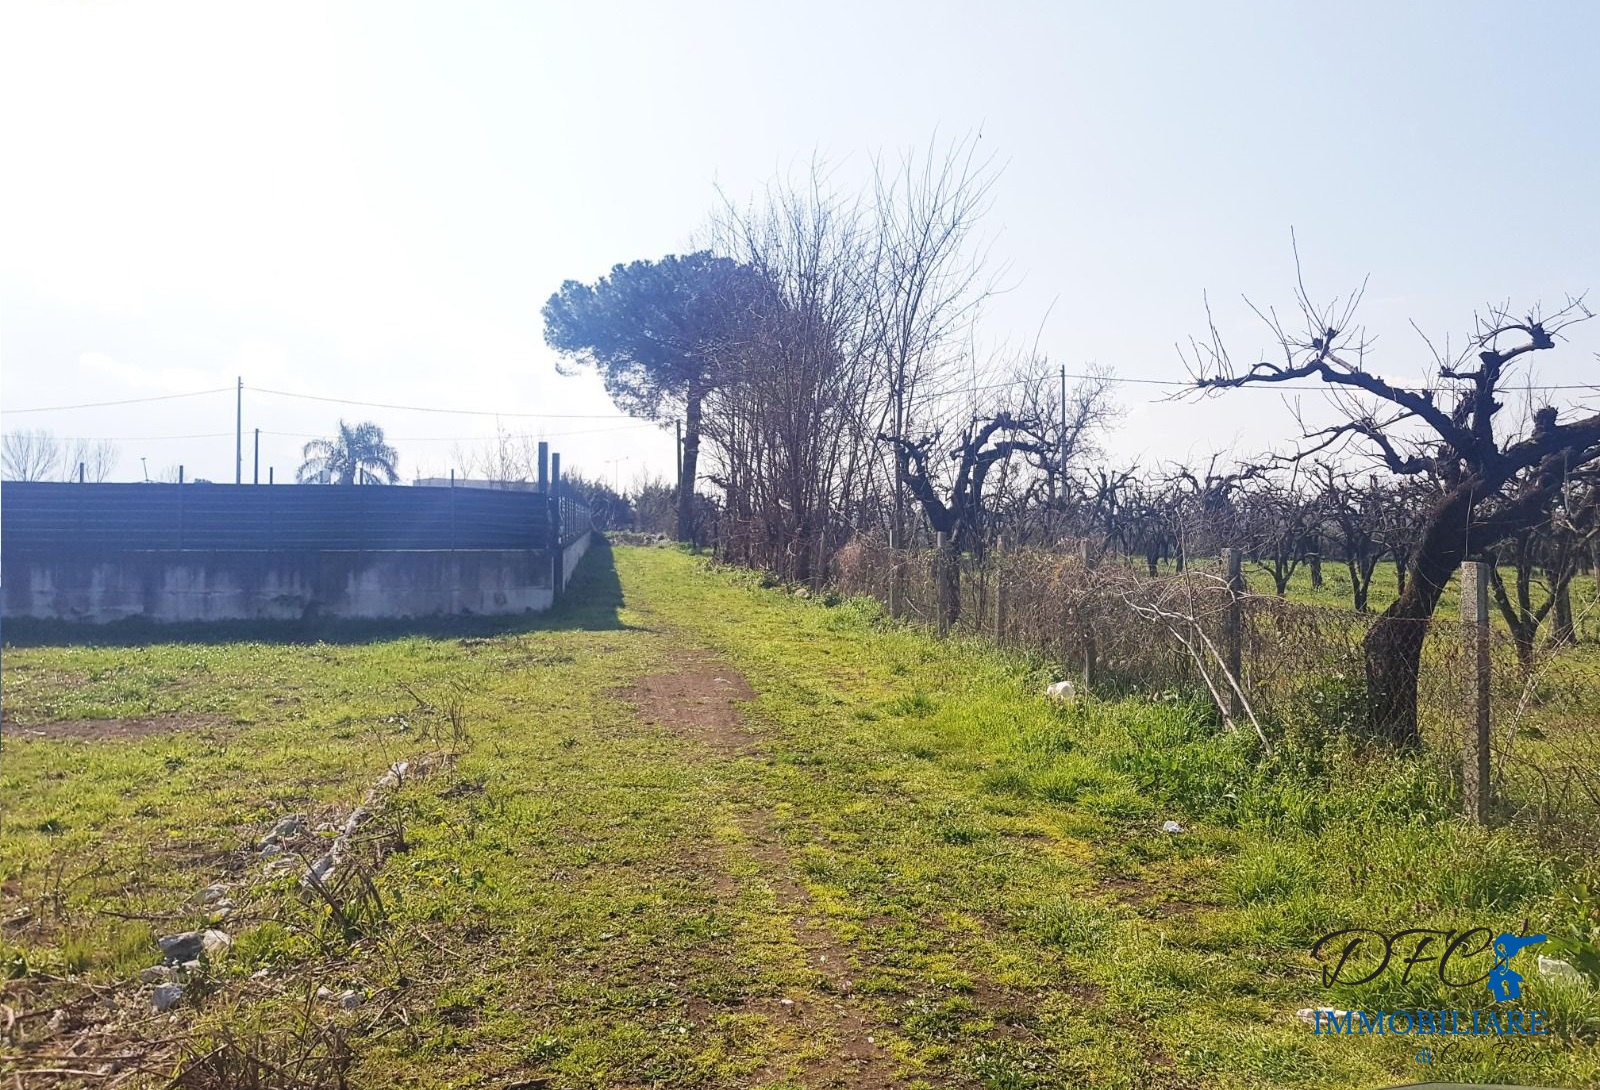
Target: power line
x,y
124,401
473,438
1120,380
436,409
130,438
1115,380
319,435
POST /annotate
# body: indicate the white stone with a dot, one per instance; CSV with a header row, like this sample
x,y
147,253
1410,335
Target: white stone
x,y
212,894
1557,969
183,946
1170,826
1064,691
291,826
165,995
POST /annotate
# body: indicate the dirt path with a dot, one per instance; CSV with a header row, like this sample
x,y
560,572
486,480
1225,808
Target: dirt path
x,y
700,701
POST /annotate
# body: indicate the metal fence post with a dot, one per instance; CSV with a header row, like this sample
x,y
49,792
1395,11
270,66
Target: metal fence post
x,y
1233,629
557,557
941,588
1475,630
180,509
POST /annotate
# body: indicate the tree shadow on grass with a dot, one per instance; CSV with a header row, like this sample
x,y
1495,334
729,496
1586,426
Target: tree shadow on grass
x,y
590,604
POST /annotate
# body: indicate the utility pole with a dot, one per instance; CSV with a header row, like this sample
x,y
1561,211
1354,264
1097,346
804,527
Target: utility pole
x,y
255,471
238,434
1063,428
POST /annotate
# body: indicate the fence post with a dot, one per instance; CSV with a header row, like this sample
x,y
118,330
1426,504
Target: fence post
x,y
999,561
941,606
894,574
180,509
553,505
1091,651
1233,630
1475,629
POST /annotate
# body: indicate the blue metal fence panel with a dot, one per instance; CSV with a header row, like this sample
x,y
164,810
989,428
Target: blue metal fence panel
x,y
48,517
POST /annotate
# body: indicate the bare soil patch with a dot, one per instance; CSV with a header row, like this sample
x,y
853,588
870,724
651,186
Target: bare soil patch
x,y
108,730
698,701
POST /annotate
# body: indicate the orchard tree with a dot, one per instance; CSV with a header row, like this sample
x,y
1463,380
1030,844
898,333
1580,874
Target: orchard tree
x,y
1493,481
1355,510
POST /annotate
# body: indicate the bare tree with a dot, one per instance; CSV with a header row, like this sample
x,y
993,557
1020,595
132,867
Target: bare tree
x,y
30,455
1276,517
929,280
787,424
1204,506
1545,558
97,457
1355,510
1490,486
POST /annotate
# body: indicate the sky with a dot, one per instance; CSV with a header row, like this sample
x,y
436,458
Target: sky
x,y
371,202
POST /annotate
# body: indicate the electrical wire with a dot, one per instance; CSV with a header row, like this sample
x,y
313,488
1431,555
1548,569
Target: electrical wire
x,y
130,438
124,401
1115,380
436,409
472,438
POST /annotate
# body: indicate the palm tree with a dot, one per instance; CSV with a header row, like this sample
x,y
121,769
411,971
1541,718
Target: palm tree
x,y
356,454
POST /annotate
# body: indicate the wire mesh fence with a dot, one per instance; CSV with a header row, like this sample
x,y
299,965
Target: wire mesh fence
x,y
1294,672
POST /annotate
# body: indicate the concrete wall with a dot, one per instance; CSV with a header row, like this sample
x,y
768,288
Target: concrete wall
x,y
570,557
278,585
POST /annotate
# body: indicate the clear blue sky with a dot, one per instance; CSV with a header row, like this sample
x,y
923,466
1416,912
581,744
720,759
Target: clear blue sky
x,y
373,201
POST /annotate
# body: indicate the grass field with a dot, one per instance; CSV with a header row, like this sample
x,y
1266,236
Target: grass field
x,y
690,832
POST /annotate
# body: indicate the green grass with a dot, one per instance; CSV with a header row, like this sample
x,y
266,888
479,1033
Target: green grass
x,y
595,901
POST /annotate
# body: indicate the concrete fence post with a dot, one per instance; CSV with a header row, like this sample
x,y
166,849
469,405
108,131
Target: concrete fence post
x,y
894,574
1233,629
941,587
1090,647
999,566
1475,630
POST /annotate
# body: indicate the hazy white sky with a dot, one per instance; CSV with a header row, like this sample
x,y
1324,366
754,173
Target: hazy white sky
x,y
373,201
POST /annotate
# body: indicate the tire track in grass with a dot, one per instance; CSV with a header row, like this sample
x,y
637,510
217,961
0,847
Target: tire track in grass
x,y
699,701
